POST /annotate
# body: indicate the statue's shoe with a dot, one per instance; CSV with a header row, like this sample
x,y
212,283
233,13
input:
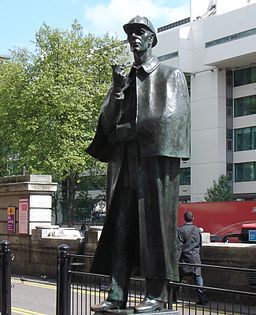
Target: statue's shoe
x,y
107,305
149,305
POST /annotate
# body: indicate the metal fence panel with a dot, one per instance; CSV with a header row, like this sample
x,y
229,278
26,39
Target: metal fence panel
x,y
5,273
88,289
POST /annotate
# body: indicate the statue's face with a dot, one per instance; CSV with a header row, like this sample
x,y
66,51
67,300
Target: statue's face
x,y
140,39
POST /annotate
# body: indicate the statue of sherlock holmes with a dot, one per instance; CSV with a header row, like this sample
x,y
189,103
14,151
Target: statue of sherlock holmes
x,y
143,132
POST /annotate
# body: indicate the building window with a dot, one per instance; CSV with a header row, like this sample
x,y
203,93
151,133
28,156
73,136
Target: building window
x,y
188,79
245,172
244,76
185,176
245,106
229,106
245,139
229,139
231,37
168,56
172,25
230,171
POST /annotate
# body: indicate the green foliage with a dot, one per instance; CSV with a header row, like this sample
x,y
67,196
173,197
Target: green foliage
x,y
91,182
68,79
50,102
12,82
84,206
85,203
220,191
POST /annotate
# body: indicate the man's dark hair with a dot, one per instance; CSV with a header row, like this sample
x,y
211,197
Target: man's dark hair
x,y
188,216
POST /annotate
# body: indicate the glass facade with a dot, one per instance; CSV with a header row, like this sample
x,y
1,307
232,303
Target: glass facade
x,y
245,172
188,79
229,170
229,139
245,139
172,25
245,106
231,37
168,56
185,176
244,76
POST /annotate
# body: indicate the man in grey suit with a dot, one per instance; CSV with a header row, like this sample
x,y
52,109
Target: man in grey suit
x,y
190,241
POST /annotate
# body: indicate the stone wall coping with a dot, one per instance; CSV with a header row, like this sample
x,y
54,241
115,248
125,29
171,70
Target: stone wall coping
x,y
230,245
32,178
96,228
42,227
27,186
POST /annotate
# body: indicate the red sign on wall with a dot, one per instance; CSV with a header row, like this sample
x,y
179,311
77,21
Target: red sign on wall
x,y
11,219
23,216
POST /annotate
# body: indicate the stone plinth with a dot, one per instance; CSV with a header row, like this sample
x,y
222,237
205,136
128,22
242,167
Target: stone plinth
x,y
36,193
130,311
92,238
36,256
230,255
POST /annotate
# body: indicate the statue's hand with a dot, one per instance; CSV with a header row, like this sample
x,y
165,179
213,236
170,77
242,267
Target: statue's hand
x,y
123,132
118,78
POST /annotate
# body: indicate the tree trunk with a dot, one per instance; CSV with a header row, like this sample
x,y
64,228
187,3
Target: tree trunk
x,y
71,192
58,205
64,194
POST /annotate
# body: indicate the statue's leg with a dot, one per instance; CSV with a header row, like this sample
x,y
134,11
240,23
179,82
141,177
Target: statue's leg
x,y
125,240
158,215
125,244
155,289
155,296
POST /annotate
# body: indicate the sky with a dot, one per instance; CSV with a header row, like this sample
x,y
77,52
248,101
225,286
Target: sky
x,y
21,19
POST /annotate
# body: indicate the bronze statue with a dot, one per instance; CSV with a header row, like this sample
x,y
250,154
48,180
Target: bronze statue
x,y
143,132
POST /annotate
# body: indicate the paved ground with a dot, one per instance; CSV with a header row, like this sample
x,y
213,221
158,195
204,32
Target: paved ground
x,y
38,297
32,297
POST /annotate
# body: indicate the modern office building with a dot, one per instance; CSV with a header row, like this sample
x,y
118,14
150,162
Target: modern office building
x,y
216,48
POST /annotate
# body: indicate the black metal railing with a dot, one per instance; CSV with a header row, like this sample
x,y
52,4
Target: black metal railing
x,y
5,277
87,289
222,299
242,302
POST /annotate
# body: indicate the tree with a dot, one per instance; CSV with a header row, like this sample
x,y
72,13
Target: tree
x,y
56,103
85,202
220,191
13,79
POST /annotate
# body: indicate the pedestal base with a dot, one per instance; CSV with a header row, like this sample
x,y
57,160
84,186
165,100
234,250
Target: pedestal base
x,y
130,311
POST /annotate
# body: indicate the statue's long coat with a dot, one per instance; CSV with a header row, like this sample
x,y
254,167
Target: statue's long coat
x,y
163,130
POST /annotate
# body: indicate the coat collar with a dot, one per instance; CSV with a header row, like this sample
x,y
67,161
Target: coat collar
x,y
150,65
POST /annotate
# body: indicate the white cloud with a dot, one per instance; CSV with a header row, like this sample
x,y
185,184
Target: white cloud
x,y
110,17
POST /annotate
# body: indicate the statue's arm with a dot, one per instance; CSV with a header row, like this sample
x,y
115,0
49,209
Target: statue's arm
x,y
182,113
111,110
181,89
181,238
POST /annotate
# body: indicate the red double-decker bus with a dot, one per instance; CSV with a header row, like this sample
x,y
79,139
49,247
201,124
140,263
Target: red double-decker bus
x,y
220,218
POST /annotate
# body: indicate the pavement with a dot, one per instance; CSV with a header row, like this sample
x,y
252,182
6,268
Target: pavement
x,y
33,296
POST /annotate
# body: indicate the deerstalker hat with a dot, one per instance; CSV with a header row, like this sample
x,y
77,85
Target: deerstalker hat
x,y
141,21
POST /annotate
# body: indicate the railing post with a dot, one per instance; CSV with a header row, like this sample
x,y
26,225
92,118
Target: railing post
x,y
63,281
5,277
170,295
